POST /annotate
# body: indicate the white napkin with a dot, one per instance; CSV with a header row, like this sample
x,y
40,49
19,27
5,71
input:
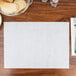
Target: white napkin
x,y
36,45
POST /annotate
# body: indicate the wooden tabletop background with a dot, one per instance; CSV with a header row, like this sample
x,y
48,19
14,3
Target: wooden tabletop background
x,y
41,12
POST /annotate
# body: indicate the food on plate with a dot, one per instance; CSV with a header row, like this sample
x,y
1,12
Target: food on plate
x,y
9,0
21,4
12,7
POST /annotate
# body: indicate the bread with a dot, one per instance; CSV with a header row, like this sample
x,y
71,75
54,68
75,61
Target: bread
x,y
12,8
21,4
9,0
8,8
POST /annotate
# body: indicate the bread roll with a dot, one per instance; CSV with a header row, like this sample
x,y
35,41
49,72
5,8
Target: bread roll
x,y
8,8
9,0
21,4
12,8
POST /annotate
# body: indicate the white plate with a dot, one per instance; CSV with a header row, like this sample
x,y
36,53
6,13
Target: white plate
x,y
0,19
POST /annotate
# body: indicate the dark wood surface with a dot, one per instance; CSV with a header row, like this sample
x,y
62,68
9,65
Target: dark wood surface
x,y
38,12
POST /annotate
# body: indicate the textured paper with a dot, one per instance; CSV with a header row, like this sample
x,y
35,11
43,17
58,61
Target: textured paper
x,y
73,36
36,45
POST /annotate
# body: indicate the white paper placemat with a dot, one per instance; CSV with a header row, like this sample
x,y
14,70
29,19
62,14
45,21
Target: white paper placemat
x,y
73,36
36,45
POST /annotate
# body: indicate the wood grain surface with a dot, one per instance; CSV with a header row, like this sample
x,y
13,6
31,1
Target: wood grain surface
x,y
41,12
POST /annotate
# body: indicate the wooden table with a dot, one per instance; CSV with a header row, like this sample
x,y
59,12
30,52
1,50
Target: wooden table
x,y
39,11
